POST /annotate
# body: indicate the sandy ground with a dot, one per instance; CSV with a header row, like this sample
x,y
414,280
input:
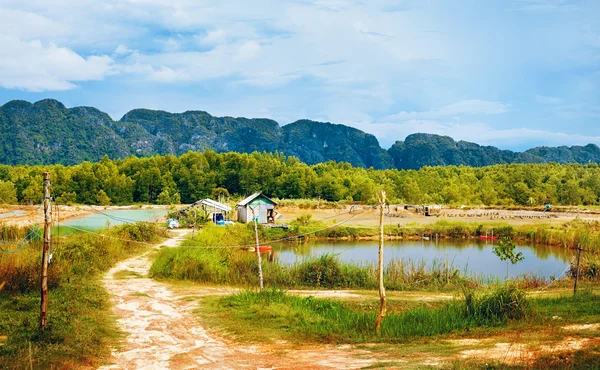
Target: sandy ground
x,y
162,333
368,216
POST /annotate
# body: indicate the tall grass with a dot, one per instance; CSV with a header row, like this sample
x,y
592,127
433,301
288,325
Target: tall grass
x,y
81,327
329,320
238,267
77,255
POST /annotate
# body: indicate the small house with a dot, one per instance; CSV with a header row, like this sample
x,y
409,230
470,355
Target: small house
x,y
259,206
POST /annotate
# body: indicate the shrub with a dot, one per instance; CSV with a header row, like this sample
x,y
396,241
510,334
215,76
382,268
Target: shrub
x,y
501,304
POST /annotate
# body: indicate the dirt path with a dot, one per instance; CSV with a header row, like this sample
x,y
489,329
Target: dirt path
x,y
163,334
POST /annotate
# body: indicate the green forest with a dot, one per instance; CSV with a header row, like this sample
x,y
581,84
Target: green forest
x,y
192,176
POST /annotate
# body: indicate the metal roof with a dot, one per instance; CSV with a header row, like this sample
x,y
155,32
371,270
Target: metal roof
x,y
254,196
214,204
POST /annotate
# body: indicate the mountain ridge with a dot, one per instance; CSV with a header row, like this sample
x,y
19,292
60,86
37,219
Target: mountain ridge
x,y
47,132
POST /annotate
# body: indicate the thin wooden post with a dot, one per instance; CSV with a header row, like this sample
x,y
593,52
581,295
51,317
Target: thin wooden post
x,y
577,271
382,297
45,253
194,227
260,273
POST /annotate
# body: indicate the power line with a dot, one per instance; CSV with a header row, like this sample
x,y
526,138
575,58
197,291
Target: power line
x,y
215,246
33,234
291,237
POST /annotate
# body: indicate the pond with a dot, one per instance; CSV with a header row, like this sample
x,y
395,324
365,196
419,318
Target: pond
x,y
104,219
16,213
474,258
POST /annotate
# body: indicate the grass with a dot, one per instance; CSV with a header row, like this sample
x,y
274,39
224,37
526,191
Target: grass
x,y
413,332
251,313
81,328
229,266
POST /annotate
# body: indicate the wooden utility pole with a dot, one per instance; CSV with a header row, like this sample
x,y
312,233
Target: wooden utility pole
x,y
260,274
577,271
46,252
194,227
382,297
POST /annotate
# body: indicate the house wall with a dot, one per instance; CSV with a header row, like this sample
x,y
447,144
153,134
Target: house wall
x,y
242,214
260,208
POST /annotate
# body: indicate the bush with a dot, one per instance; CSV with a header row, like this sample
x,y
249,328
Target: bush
x,y
501,304
323,271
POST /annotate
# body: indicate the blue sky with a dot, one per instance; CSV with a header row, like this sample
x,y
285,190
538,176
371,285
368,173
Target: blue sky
x,y
510,73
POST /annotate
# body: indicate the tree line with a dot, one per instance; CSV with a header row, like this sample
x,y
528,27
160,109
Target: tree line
x,y
192,176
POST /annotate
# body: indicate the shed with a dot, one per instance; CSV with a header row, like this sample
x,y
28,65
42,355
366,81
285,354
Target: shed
x,y
218,211
263,206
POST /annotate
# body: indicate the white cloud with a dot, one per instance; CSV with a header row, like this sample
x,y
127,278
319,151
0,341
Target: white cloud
x,y
480,133
551,100
463,107
166,74
36,66
214,37
248,50
122,50
30,25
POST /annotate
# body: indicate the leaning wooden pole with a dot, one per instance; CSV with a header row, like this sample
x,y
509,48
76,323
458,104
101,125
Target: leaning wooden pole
x,y
260,272
382,297
577,271
46,252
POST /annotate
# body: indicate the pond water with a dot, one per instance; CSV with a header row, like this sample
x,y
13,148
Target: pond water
x,y
474,258
104,219
16,213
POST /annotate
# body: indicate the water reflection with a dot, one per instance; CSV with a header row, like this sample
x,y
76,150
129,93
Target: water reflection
x,y
473,257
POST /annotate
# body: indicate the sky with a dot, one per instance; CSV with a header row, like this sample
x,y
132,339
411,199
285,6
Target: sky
x,y
509,73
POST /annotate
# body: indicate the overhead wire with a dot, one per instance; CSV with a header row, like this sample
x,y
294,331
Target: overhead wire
x,y
116,218
31,235
218,246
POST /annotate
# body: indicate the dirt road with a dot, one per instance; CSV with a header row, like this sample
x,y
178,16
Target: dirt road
x,y
162,333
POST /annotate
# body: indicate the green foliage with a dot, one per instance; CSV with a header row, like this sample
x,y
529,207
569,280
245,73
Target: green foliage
x,y
506,302
193,176
102,198
8,193
505,250
239,267
334,321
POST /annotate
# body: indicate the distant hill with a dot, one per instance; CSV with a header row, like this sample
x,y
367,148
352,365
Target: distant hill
x,y
48,132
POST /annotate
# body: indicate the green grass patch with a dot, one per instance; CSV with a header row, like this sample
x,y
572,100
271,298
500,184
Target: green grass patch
x,y
80,329
582,308
272,314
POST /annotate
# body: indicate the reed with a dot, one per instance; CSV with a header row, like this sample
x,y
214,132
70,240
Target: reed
x,y
232,266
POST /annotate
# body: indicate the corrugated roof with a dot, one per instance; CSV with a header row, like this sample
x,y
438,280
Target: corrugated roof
x,y
215,204
254,196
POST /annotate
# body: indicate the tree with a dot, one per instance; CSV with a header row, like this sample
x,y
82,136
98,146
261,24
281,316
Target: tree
x,y
33,192
102,198
505,250
8,193
164,197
